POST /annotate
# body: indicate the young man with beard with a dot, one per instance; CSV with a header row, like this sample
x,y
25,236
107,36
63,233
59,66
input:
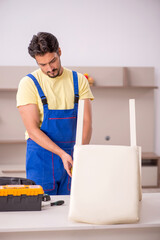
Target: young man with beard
x,y
47,101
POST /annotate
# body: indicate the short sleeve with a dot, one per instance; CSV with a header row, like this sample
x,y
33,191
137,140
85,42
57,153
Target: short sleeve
x,y
27,92
84,88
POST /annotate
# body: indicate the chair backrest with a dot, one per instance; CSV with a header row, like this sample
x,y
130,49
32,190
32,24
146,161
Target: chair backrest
x,y
133,138
132,114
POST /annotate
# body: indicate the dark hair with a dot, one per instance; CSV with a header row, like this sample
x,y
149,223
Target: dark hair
x,y
43,43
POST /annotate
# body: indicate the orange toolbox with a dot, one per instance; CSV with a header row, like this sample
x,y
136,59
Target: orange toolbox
x,y
21,197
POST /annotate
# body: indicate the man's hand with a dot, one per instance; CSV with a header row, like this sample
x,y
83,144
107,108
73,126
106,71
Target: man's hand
x,y
67,162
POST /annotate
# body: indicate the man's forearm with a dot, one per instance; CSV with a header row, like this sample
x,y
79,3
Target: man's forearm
x,y
87,132
44,141
87,122
30,118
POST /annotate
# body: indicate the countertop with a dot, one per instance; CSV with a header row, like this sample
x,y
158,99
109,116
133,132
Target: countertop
x,y
55,218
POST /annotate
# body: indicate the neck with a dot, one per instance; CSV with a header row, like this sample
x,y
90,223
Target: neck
x,y
61,71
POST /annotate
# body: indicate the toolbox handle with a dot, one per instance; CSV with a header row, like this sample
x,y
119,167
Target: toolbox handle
x,y
15,181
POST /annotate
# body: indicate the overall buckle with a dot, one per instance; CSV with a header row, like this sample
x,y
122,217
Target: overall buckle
x,y
76,98
44,100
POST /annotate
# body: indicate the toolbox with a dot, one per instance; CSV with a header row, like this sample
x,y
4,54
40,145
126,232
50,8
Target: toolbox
x,y
21,197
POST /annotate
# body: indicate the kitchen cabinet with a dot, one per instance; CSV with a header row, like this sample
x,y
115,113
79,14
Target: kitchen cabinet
x,y
12,143
150,170
112,89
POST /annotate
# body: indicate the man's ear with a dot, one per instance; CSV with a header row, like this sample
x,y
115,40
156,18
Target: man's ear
x,y
59,51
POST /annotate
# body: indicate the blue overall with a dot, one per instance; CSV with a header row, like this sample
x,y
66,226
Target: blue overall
x,y
43,166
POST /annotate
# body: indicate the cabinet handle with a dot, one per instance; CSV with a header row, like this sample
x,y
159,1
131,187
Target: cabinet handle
x,y
107,138
13,171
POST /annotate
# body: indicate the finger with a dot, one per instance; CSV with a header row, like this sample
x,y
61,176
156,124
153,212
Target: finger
x,y
69,167
69,172
70,161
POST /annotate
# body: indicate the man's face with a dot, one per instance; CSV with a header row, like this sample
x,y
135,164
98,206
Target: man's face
x,y
50,64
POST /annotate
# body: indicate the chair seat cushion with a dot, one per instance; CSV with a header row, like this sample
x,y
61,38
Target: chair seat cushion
x,y
105,184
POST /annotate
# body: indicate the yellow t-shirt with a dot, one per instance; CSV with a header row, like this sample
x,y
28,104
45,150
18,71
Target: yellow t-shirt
x,y
59,91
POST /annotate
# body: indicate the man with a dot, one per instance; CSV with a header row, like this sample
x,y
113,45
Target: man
x,y
47,101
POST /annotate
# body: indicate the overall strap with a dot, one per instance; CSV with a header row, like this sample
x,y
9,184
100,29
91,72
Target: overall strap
x,y
40,91
76,89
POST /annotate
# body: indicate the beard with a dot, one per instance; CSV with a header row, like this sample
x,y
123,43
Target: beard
x,y
55,72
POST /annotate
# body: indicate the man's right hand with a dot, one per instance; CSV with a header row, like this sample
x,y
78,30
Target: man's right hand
x,y
67,162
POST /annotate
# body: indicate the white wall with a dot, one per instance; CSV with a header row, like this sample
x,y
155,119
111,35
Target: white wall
x,y
90,32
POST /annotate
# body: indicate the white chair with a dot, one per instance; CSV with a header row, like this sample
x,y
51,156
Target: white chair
x,y
106,182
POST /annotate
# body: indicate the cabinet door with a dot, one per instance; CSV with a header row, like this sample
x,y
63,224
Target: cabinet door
x,y
12,173
149,176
